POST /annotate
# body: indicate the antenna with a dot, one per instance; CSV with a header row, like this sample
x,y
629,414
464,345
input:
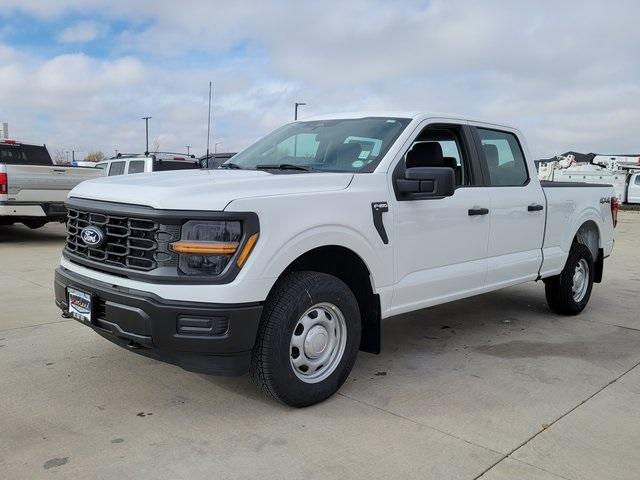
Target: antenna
x,y
209,121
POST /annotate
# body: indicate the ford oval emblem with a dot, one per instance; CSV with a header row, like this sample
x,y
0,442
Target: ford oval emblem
x,y
92,236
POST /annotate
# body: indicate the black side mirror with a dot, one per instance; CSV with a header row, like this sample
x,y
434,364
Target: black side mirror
x,y
427,182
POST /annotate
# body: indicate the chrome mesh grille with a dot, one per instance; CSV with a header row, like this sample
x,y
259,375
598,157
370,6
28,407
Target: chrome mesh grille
x,y
130,242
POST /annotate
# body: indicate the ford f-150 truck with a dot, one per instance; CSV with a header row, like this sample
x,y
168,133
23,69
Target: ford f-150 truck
x,y
284,261
32,189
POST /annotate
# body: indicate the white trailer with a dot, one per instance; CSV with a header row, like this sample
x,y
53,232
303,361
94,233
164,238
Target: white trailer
x,y
623,172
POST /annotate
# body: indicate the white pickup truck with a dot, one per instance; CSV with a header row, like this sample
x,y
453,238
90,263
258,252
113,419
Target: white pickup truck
x,y
32,189
284,261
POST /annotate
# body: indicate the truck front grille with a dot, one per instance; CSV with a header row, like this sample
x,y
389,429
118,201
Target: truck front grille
x,y
129,242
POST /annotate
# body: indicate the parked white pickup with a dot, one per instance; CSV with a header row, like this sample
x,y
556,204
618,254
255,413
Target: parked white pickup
x,y
284,261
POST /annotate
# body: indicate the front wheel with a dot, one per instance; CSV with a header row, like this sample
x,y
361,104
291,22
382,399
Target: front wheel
x,y
569,292
308,339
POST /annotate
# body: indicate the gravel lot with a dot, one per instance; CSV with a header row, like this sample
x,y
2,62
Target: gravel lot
x,y
492,387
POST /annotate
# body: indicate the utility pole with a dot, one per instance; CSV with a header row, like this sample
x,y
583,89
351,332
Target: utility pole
x,y
209,121
146,128
73,156
188,147
298,104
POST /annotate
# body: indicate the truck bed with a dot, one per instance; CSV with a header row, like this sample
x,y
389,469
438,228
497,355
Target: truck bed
x,y
552,184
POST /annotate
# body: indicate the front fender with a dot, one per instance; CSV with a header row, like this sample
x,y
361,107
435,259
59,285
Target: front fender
x,y
329,235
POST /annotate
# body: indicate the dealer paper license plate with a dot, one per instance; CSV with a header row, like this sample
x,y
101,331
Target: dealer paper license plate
x,y
79,305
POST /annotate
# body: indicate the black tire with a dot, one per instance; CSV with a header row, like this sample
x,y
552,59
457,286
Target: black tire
x,y
292,296
559,289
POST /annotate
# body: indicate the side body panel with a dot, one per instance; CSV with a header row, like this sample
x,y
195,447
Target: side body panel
x,y
567,209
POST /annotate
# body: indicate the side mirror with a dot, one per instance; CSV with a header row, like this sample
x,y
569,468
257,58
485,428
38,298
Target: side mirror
x,y
427,182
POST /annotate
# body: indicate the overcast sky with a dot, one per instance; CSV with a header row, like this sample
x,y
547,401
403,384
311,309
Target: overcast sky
x,y
79,74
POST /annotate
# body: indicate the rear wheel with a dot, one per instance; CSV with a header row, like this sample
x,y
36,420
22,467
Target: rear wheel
x,y
308,339
569,292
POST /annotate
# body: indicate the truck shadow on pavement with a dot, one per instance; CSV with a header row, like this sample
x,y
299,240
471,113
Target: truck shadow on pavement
x,y
52,233
475,337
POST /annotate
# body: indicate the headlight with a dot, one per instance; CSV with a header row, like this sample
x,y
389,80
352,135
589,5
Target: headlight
x,y
207,247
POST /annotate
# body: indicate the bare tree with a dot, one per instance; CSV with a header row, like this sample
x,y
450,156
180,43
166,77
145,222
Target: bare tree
x,y
155,145
95,156
59,157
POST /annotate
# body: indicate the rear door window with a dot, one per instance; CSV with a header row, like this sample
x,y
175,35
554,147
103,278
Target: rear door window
x,y
136,166
117,168
503,158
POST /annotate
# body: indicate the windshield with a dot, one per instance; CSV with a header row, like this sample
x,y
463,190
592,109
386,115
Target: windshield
x,y
349,145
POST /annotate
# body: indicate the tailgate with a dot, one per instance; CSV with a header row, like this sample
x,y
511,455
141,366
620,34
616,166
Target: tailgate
x,y
40,184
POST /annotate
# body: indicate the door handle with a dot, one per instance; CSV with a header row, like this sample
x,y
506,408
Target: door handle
x,y
478,211
534,208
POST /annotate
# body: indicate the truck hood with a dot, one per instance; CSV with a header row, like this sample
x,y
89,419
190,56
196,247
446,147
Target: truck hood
x,y
205,189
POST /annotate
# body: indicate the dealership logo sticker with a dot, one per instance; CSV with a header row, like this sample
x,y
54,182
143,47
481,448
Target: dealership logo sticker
x,y
92,236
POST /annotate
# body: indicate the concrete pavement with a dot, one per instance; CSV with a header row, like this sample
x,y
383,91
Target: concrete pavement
x,y
492,387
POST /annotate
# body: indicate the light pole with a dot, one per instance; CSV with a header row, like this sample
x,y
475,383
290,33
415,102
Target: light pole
x,y
215,147
188,147
298,104
209,122
146,129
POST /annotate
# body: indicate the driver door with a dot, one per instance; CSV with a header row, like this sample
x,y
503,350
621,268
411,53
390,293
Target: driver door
x,y
441,243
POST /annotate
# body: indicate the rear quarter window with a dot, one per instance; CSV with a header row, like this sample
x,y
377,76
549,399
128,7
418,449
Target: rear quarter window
x,y
165,165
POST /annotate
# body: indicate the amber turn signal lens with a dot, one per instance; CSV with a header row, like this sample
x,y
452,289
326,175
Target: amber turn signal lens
x,y
204,248
247,250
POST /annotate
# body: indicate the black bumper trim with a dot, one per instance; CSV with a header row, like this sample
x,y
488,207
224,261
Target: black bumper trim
x,y
147,324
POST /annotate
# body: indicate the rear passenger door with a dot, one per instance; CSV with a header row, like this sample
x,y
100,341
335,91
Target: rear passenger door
x,y
517,209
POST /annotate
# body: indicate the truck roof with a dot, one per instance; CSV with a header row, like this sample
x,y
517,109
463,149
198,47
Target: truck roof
x,y
412,114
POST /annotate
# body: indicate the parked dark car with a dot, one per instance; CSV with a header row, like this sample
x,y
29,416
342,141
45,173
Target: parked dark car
x,y
214,160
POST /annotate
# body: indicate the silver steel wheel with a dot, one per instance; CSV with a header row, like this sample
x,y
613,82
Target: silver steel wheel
x,y
580,280
318,342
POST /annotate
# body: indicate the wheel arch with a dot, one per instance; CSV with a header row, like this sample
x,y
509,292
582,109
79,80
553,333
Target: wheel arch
x,y
345,264
588,234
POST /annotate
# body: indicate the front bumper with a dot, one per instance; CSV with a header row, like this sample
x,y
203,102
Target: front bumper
x,y
200,337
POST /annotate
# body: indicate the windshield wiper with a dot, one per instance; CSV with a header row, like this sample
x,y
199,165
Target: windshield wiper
x,y
231,166
284,166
